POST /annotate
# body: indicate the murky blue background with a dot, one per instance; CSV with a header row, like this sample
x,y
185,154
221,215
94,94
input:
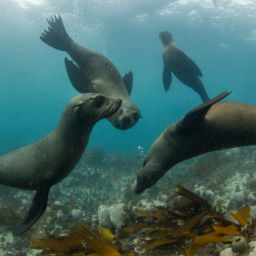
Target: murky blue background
x,y
220,36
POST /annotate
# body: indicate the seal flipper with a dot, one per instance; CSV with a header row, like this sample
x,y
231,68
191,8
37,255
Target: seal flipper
x,y
56,36
128,80
77,78
195,116
167,78
36,210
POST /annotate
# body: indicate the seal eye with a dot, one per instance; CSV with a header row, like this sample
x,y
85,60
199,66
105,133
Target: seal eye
x,y
98,101
77,107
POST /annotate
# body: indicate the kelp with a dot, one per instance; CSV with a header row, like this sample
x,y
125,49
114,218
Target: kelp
x,y
197,222
79,241
189,227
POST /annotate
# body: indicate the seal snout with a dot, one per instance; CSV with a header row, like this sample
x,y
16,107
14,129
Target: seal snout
x,y
165,37
113,107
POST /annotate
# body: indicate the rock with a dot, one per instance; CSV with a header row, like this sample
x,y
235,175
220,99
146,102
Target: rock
x,y
60,214
237,200
253,211
252,197
77,213
227,252
118,215
239,244
253,248
104,219
58,203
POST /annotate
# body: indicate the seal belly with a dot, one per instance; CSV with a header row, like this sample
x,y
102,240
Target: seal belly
x,y
16,169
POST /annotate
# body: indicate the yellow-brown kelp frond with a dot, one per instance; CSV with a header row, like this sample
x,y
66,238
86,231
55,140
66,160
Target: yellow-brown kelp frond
x,y
190,227
79,241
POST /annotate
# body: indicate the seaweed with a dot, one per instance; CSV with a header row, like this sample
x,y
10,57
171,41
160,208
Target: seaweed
x,y
188,227
192,225
79,241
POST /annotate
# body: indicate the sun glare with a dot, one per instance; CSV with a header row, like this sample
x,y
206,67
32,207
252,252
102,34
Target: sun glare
x,y
27,3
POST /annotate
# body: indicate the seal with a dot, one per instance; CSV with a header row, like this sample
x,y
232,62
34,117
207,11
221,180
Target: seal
x,y
43,164
211,126
184,68
93,73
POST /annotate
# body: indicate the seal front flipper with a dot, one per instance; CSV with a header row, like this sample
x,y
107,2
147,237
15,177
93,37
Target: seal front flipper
x,y
77,77
167,78
128,80
194,117
36,210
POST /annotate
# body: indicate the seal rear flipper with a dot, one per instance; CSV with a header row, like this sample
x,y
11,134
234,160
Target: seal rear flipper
x,y
56,35
167,78
128,80
77,78
194,117
36,210
200,89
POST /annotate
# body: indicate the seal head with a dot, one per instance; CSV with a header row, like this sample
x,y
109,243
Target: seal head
x,y
41,165
203,129
126,116
91,72
165,37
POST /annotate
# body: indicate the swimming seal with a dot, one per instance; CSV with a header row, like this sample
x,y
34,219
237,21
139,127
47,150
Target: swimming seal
x,y
211,126
185,69
43,164
93,73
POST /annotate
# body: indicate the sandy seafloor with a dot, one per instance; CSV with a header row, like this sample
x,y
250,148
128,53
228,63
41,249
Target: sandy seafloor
x,y
106,179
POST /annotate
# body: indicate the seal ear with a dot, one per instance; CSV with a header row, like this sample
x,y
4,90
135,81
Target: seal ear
x,y
128,80
194,117
36,210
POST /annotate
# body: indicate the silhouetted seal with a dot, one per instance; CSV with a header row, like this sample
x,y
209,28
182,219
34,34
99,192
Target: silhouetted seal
x,y
208,127
41,165
94,73
185,69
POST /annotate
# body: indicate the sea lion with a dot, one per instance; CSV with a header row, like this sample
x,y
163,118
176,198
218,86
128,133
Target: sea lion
x,y
43,164
211,126
93,73
185,69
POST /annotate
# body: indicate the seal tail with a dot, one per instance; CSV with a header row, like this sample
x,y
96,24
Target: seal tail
x,y
56,35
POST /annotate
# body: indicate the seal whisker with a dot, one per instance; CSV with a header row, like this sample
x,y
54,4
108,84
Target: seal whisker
x,y
28,167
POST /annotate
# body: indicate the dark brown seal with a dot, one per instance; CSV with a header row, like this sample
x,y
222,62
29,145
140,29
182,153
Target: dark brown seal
x,y
94,73
178,63
41,165
211,126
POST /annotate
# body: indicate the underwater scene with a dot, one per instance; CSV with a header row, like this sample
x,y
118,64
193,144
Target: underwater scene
x,y
128,128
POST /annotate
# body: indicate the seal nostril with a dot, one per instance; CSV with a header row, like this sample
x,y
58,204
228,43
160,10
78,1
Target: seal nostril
x,y
126,120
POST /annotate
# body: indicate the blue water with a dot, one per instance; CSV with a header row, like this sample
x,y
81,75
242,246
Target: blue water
x,y
220,36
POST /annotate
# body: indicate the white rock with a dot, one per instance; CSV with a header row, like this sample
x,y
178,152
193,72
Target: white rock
x,y
253,247
239,244
103,214
58,203
118,215
60,214
227,252
77,213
